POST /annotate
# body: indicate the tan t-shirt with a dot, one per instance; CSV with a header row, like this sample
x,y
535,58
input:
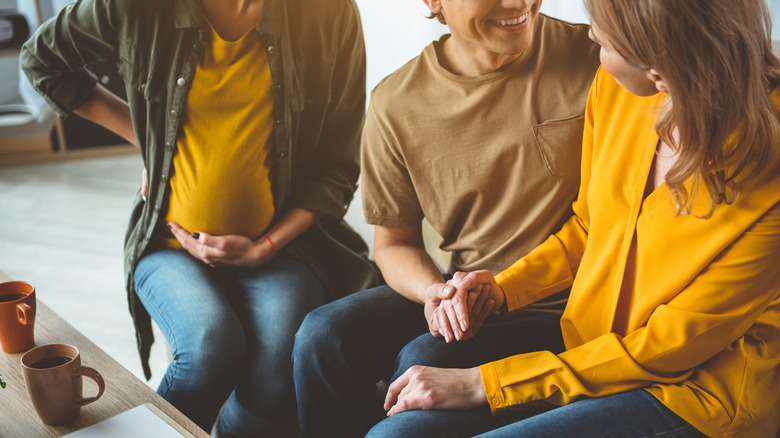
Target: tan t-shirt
x,y
492,162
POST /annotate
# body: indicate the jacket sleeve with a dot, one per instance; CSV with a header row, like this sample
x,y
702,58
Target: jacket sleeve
x,y
707,316
55,57
329,180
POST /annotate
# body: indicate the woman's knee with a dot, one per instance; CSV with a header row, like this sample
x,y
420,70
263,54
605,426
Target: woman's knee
x,y
215,348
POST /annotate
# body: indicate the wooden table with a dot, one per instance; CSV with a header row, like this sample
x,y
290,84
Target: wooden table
x,y
123,390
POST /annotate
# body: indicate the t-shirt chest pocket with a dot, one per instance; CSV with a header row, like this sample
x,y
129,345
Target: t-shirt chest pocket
x,y
560,144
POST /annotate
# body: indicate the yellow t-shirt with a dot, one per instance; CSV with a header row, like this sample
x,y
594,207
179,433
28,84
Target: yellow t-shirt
x,y
683,306
221,183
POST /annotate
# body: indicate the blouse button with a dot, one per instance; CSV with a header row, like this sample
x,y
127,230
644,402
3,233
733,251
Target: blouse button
x,y
495,401
174,114
181,82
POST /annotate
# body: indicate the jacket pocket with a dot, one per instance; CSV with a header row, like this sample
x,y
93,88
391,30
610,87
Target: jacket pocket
x,y
560,144
134,69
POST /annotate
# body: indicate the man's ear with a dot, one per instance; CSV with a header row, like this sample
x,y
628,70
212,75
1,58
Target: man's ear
x,y
433,5
660,85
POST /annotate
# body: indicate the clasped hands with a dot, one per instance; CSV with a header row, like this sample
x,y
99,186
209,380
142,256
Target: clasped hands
x,y
456,310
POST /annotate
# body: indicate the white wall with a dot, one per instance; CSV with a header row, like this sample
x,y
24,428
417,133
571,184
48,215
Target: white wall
x,y
774,8
395,32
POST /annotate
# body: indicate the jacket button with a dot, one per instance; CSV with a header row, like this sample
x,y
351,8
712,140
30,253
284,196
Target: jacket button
x,y
271,49
181,82
282,155
278,121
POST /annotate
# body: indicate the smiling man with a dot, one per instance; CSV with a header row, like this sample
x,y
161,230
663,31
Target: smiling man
x,y
480,135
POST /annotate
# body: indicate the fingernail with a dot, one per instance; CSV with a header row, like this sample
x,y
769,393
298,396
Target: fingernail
x,y
448,289
195,236
458,334
168,225
143,197
463,325
447,337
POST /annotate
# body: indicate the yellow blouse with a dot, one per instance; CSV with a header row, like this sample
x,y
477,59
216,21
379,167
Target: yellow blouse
x,y
686,307
222,183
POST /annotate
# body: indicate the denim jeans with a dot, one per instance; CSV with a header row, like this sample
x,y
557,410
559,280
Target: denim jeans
x,y
345,347
231,331
630,414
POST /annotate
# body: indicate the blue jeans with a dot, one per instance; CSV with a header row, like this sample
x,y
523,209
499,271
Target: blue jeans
x,y
345,347
629,414
231,331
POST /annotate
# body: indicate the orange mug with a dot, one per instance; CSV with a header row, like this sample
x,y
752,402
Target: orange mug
x,y
17,316
52,373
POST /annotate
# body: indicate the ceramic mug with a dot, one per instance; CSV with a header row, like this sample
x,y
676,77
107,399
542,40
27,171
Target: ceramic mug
x,y
52,374
17,316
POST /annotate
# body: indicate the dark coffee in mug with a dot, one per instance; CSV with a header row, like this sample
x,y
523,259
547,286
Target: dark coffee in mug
x,y
51,362
11,297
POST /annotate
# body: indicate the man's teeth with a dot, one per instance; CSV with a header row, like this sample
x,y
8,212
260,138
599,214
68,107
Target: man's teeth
x,y
512,21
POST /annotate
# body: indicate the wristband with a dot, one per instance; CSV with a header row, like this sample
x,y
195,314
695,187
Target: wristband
x,y
273,247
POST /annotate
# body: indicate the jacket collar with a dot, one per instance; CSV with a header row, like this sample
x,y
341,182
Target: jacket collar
x,y
187,13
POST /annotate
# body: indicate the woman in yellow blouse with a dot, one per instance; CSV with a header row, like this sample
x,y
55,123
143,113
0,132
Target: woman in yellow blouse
x,y
673,322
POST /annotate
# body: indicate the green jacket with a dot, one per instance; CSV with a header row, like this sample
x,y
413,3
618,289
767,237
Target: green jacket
x,y
317,61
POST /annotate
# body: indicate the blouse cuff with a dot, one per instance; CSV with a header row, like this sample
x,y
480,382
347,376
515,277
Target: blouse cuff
x,y
493,392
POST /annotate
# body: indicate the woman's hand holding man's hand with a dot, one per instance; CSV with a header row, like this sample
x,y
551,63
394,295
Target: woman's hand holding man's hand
x,y
456,310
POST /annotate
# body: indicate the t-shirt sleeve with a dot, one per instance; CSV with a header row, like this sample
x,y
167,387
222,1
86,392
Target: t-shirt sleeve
x,y
389,197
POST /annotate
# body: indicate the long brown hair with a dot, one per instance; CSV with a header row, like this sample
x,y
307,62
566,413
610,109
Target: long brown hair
x,y
715,56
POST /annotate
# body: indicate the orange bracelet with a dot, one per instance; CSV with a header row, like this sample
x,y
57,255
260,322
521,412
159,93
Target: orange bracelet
x,y
273,247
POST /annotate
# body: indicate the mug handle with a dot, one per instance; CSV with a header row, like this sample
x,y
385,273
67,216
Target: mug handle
x,y
24,313
94,375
